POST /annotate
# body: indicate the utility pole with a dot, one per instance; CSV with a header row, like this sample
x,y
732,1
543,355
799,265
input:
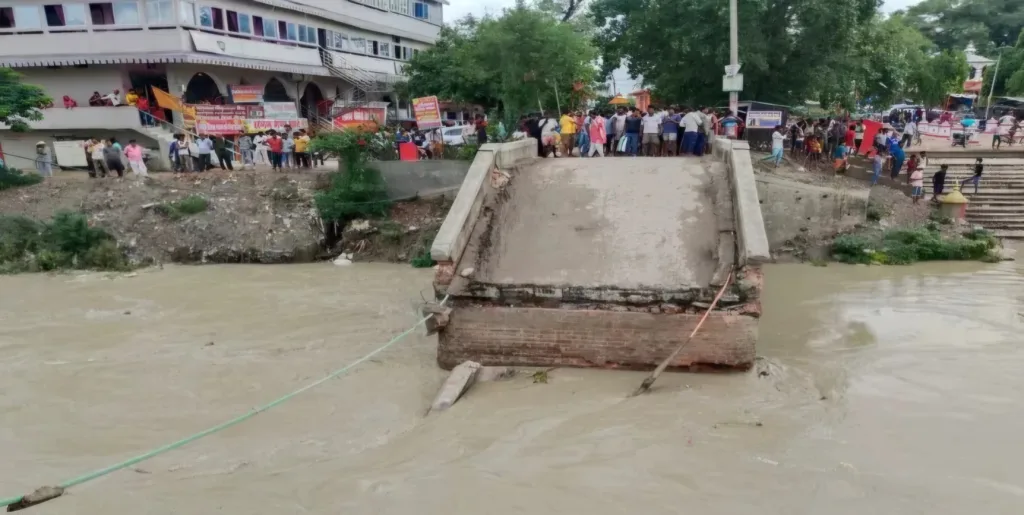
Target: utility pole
x,y
992,89
734,52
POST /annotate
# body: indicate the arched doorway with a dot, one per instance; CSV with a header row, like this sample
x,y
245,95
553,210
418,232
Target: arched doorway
x,y
275,92
310,101
202,88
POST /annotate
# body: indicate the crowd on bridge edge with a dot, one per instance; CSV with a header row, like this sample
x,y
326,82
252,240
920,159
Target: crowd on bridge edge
x,y
627,131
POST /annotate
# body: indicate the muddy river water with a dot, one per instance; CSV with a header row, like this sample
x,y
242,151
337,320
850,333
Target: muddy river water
x,y
892,389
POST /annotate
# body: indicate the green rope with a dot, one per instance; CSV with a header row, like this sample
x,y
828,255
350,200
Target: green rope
x,y
220,427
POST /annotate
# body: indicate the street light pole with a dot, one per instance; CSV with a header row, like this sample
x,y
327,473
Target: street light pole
x,y
734,51
992,88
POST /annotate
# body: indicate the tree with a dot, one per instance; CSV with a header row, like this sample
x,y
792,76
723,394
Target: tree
x,y
515,61
791,50
1011,71
953,24
942,74
19,102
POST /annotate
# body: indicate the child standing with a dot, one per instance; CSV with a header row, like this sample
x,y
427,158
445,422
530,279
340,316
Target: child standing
x,y
876,167
917,182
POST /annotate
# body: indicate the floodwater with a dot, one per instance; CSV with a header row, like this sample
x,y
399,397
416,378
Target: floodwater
x,y
890,389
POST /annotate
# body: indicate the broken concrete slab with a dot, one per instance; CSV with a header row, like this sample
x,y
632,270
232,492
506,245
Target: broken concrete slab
x,y
462,377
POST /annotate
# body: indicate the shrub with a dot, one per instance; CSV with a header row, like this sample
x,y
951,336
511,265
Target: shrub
x,y
874,213
357,190
179,209
421,254
906,246
937,217
65,242
13,178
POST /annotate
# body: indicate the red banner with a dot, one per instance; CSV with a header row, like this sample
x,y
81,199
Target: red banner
x,y
871,129
369,118
246,94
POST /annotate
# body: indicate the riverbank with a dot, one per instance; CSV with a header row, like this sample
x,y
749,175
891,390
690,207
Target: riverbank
x,y
852,222
220,217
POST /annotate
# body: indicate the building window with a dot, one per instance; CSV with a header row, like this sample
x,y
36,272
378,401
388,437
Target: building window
x,y
415,52
257,25
359,45
303,35
374,48
206,17
421,10
65,15
160,12
244,24
400,6
187,12
117,13
385,49
232,17
311,34
293,33
20,17
269,28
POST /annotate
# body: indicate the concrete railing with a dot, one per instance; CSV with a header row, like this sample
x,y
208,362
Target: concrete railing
x,y
98,118
752,239
453,236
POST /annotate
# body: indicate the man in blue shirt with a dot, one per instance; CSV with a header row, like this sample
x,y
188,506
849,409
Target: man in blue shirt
x,y
897,155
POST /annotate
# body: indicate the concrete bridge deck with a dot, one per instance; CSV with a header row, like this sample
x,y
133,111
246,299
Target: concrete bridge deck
x,y
603,262
625,223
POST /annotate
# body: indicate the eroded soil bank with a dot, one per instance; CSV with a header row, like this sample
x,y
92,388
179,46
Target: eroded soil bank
x,y
249,218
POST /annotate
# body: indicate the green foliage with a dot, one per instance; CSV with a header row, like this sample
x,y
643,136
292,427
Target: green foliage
x,y
791,50
906,246
953,24
421,253
179,209
66,242
938,217
19,102
12,178
874,213
466,152
357,190
524,57
1011,71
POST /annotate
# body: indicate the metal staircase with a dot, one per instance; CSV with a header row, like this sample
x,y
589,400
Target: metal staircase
x,y
365,80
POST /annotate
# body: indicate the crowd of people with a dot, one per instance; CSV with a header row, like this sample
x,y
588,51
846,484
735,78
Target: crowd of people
x,y
107,157
287,149
627,131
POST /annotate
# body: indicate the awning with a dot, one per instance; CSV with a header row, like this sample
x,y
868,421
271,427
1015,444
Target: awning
x,y
181,57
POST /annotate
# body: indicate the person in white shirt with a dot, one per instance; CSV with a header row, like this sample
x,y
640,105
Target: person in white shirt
x,y
261,157
114,98
618,127
652,131
778,143
691,125
908,134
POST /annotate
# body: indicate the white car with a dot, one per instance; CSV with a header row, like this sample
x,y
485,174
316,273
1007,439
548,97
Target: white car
x,y
458,135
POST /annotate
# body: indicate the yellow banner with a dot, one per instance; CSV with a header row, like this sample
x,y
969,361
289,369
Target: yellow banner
x,y
167,101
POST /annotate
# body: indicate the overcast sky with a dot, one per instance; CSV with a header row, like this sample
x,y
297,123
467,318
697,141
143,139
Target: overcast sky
x,y
459,8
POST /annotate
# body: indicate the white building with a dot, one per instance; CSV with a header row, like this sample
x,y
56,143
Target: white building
x,y
307,51
976,72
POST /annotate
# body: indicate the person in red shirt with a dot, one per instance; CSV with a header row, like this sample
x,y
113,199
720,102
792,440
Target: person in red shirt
x,y
851,134
276,145
142,104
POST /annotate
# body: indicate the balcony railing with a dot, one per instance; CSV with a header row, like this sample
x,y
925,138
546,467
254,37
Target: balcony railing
x,y
110,118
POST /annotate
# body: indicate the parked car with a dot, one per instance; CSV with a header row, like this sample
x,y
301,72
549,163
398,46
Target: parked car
x,y
457,135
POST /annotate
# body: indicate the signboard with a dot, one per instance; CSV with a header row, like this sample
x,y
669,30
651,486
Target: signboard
x,y
228,126
280,110
205,111
427,111
219,127
764,119
266,124
246,94
365,117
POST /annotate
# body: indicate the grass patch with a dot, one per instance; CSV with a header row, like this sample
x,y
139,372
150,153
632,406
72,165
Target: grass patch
x,y
937,217
874,212
187,206
906,246
13,178
66,242
421,253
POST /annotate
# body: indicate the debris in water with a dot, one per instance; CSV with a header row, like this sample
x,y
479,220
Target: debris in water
x,y
461,378
468,271
541,376
208,344
127,312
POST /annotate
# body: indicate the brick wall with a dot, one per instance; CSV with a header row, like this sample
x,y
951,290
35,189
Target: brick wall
x,y
592,338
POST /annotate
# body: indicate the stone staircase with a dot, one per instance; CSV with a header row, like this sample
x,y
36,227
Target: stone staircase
x,y
999,204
